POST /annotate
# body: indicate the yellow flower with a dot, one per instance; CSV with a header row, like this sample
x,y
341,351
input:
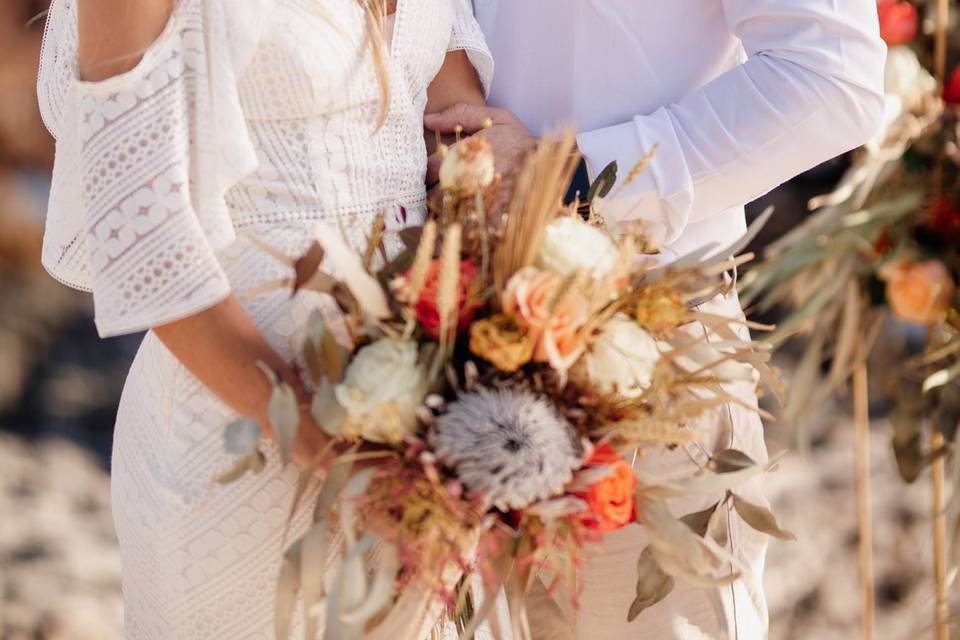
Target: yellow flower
x,y
660,310
502,342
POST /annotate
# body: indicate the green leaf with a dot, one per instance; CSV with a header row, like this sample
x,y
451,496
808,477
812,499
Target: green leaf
x,y
730,460
241,437
283,411
760,519
604,182
653,584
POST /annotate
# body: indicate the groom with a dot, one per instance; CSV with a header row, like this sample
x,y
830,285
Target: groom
x,y
737,96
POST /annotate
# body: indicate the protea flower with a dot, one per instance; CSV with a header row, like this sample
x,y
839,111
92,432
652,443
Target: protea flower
x,y
509,447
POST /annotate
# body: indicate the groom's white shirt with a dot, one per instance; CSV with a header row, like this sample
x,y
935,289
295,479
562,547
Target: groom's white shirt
x,y
738,95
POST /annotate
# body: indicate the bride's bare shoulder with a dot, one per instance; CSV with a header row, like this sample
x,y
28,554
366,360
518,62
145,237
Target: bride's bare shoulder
x,y
113,34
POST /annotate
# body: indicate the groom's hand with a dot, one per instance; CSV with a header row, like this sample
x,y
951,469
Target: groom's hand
x,y
510,139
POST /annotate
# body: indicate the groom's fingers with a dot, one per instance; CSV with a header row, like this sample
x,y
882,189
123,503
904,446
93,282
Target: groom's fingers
x,y
471,117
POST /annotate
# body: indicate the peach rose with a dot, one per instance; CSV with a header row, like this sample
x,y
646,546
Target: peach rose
x,y
918,292
551,316
611,500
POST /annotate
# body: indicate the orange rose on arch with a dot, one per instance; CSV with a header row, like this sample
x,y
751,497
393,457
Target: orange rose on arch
x,y
612,499
918,292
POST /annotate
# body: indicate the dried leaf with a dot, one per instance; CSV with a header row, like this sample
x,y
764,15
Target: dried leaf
x,y
348,266
761,519
332,358
285,597
729,460
305,267
235,472
604,182
699,522
653,585
314,556
941,377
283,411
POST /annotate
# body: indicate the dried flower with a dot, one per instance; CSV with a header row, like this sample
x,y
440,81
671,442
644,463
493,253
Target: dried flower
x,y
468,167
553,317
502,342
899,22
570,246
918,292
381,391
611,500
620,361
907,79
427,310
661,309
509,447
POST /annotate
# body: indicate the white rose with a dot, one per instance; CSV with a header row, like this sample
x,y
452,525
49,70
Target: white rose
x,y
906,78
571,245
621,360
381,391
468,166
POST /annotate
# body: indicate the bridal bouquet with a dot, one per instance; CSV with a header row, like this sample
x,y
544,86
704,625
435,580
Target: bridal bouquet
x,y
487,391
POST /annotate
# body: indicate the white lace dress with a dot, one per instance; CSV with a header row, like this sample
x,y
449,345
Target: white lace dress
x,y
245,117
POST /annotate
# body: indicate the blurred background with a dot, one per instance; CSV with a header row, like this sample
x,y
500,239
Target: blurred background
x,y
59,386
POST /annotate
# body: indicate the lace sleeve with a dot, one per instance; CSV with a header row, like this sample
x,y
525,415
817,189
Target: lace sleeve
x,y
143,160
468,37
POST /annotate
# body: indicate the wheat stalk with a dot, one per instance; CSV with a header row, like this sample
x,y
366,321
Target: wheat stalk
x,y
449,281
536,200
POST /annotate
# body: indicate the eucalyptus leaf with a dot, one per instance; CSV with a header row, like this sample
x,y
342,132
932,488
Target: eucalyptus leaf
x,y
285,596
653,584
327,411
235,472
283,411
760,519
241,437
730,460
604,182
314,555
699,522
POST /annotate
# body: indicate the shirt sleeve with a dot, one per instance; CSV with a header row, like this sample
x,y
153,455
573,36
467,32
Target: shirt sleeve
x,y
143,161
810,89
467,36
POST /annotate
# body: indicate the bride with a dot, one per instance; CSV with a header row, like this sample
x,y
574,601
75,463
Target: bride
x,y
187,130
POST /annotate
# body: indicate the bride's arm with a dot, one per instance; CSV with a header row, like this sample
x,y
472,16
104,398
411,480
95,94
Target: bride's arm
x,y
456,82
219,345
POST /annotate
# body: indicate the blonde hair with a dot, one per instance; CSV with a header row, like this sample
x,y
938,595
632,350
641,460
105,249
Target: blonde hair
x,y
375,16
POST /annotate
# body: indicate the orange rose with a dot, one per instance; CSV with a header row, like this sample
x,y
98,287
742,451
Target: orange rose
x,y
612,503
918,292
551,316
468,300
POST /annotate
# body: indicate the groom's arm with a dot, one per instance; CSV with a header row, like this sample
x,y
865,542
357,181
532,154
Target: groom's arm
x,y
812,88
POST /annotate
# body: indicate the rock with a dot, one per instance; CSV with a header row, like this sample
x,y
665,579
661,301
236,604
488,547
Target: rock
x,y
61,564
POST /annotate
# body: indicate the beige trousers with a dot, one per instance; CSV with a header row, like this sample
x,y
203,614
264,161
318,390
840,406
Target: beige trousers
x,y
737,611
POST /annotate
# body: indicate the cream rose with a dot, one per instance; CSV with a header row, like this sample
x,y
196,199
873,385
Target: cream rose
x,y
620,361
571,245
906,78
469,166
380,393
